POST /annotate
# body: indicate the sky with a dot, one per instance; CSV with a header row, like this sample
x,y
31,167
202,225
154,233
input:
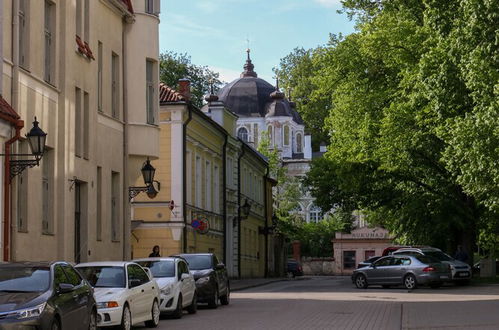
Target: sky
x,y
216,32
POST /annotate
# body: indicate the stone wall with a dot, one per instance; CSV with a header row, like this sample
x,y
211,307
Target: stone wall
x,y
317,266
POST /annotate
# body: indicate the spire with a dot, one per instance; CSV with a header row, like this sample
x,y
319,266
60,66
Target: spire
x,y
277,94
211,97
248,67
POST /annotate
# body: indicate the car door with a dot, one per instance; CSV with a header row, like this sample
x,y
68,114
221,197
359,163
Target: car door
x,y
144,291
64,301
401,266
187,285
81,295
377,273
221,276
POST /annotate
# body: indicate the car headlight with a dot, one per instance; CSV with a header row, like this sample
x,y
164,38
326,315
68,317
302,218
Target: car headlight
x,y
166,290
203,280
30,312
107,304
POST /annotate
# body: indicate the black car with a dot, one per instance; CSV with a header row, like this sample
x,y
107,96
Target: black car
x,y
212,281
45,295
294,268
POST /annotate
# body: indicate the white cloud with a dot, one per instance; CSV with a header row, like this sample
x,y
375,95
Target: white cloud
x,y
329,3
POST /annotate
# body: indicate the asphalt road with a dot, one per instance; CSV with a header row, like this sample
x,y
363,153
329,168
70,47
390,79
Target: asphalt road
x,y
334,303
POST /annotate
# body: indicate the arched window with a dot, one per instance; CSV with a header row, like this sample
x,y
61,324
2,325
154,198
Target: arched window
x,y
316,214
286,135
242,133
299,143
270,131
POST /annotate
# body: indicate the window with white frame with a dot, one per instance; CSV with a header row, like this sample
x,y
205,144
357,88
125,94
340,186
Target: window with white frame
x,y
299,143
199,183
188,174
150,95
286,135
316,214
207,184
242,133
115,87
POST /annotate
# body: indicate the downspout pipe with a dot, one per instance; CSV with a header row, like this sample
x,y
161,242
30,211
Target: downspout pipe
x,y
224,196
266,208
18,124
184,175
239,210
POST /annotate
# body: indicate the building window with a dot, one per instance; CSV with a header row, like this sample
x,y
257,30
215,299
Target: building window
x,y
78,19
115,206
86,125
115,88
349,259
153,7
99,77
316,214
207,179
216,189
199,183
78,123
47,189
299,144
22,194
242,133
86,21
188,173
286,135
49,42
255,134
98,219
23,33
150,98
230,172
270,132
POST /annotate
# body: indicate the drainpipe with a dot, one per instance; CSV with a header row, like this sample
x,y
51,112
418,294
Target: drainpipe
x,y
265,203
184,176
239,211
224,196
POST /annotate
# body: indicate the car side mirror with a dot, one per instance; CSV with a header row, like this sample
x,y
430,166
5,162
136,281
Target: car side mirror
x,y
65,288
220,266
184,276
133,283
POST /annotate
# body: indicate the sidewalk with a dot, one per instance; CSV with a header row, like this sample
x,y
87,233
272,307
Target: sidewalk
x,y
246,283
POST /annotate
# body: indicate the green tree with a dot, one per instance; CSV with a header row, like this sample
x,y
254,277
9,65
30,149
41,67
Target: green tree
x,y
174,66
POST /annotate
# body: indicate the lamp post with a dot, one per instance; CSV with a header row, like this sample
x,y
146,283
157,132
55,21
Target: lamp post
x,y
36,139
245,210
148,174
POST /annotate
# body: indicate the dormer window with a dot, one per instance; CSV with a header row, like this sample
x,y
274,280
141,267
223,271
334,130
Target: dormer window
x,y
242,133
286,135
299,143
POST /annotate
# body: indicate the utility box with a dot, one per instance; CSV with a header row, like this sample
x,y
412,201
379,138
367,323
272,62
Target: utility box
x,y
487,268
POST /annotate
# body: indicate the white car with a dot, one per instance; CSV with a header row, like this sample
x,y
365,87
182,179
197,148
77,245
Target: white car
x,y
176,283
124,292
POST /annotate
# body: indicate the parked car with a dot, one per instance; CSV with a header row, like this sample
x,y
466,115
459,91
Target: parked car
x,y
407,270
368,262
461,272
125,293
176,284
294,268
45,295
389,250
212,281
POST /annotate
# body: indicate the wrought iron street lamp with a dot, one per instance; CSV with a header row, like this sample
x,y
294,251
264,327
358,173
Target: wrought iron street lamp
x,y
148,174
36,139
245,210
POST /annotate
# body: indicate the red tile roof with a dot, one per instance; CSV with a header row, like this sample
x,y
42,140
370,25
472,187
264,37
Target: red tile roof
x,y
168,94
128,4
7,110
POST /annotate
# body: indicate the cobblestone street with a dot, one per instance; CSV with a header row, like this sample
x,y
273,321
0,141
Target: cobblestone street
x,y
333,303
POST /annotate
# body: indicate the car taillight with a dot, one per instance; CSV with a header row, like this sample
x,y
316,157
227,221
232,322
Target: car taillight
x,y
429,269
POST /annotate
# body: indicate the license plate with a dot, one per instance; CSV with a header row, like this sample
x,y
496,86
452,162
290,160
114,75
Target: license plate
x,y
443,277
465,274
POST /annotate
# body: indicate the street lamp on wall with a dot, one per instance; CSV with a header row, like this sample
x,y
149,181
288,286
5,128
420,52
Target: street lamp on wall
x,y
245,210
36,138
148,174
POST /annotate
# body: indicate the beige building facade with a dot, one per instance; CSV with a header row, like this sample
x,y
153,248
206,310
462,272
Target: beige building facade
x,y
91,86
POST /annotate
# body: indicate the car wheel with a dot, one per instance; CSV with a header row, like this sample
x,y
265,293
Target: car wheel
x,y
225,299
361,281
177,314
410,282
92,320
56,324
126,319
213,303
193,307
154,321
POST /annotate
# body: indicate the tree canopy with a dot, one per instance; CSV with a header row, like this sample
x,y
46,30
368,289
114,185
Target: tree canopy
x,y
174,66
410,107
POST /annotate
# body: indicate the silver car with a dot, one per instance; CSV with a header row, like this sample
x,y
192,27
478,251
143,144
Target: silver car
x,y
409,271
461,271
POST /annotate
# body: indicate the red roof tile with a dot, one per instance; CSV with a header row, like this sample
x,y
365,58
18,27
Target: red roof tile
x,y
7,110
168,94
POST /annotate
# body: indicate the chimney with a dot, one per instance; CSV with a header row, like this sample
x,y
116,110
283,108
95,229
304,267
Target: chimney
x,y
184,88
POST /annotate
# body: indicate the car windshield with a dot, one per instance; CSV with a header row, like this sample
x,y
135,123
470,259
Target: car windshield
x,y
24,279
104,276
160,268
438,255
427,259
197,262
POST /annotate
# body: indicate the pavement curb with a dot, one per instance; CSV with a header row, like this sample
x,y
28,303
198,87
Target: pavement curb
x,y
255,285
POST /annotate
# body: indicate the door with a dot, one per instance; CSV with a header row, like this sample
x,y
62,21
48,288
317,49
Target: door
x,y
143,293
81,296
379,271
77,228
221,276
399,269
81,224
187,285
65,302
